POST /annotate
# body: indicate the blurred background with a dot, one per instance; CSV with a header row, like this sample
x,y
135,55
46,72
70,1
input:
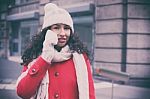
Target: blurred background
x,y
117,32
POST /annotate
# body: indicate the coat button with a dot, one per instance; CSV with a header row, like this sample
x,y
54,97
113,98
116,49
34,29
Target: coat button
x,y
33,70
56,95
56,74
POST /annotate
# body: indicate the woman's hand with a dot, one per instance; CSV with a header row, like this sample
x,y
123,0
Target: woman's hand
x,y
50,39
48,52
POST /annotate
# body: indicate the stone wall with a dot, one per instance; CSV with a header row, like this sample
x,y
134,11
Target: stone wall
x,y
123,36
109,29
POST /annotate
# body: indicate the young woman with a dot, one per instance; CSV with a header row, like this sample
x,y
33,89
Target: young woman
x,y
56,63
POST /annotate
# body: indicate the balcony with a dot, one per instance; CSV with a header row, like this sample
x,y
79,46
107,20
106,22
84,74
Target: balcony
x,y
23,8
26,11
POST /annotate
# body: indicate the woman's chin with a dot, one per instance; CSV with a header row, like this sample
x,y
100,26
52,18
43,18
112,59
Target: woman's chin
x,y
61,44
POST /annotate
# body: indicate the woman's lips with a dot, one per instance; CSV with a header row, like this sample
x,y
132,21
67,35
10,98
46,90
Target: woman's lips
x,y
61,40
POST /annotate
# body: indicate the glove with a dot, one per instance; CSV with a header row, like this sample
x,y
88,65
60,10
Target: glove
x,y
50,39
48,51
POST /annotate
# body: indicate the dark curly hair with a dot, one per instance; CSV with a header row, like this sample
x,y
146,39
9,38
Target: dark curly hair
x,y
34,49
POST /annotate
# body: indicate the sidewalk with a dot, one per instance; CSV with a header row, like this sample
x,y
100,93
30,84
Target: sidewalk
x,y
104,91
15,59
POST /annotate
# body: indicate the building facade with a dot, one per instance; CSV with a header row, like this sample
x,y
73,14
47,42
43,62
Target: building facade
x,y
116,31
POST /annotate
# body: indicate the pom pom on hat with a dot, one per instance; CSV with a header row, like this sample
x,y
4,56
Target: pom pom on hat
x,y
55,15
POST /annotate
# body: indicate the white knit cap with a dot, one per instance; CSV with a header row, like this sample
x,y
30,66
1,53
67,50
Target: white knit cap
x,y
55,15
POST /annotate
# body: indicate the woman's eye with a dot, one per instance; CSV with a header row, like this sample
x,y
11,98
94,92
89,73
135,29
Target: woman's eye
x,y
67,28
56,28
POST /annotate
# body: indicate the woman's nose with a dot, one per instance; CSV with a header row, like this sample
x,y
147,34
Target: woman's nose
x,y
62,31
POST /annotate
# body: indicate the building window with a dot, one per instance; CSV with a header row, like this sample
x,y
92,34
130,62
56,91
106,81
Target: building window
x,y
15,47
25,37
15,30
1,34
3,16
1,45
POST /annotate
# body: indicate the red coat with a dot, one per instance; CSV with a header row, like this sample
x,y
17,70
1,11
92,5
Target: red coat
x,y
62,78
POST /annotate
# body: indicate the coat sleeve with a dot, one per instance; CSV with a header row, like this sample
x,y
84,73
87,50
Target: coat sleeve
x,y
90,78
29,81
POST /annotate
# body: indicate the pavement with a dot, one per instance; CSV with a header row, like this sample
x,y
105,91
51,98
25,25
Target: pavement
x,y
106,90
103,89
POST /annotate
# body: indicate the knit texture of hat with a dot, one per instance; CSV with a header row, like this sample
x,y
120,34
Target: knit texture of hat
x,y
54,15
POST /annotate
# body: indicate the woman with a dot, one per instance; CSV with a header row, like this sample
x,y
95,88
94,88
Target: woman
x,y
56,64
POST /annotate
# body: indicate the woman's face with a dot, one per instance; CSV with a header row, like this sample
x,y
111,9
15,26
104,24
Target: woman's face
x,y
63,32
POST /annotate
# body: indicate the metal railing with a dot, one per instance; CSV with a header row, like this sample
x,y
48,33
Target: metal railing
x,y
113,76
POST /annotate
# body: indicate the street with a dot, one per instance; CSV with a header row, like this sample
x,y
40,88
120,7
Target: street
x,y
9,71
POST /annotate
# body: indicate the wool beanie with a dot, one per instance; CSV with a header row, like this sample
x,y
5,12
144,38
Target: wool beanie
x,y
55,15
